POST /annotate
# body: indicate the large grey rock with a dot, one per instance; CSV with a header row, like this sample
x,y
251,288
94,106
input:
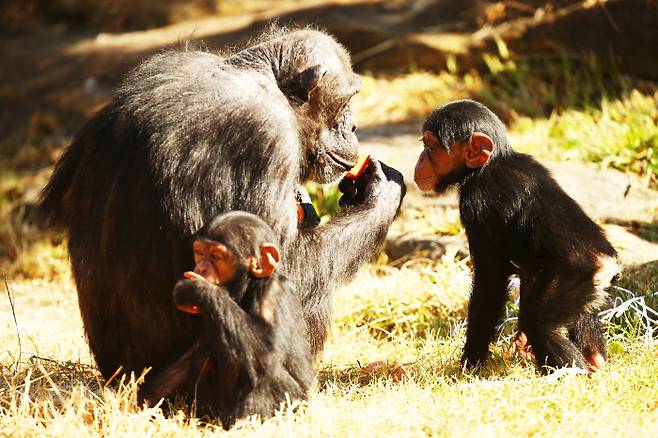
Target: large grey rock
x,y
409,245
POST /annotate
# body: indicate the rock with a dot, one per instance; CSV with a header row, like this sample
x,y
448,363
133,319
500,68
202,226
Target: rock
x,y
408,245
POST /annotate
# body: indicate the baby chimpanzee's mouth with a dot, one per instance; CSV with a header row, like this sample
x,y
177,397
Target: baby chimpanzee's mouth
x,y
347,164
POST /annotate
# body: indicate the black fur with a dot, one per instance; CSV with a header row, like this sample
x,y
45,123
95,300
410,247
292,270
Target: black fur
x,y
243,363
190,135
519,220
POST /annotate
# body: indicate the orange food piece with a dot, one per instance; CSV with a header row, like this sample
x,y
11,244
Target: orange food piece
x,y
359,167
300,214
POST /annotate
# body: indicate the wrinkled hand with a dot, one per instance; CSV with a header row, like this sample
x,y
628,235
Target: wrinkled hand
x,y
386,185
379,183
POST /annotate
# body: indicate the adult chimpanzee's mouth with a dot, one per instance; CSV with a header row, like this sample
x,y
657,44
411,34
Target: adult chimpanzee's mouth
x,y
344,162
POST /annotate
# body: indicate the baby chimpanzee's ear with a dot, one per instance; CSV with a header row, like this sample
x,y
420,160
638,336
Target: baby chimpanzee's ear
x,y
478,150
269,258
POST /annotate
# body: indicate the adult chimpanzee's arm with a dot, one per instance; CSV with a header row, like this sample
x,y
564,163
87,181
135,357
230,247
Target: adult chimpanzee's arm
x,y
322,258
330,254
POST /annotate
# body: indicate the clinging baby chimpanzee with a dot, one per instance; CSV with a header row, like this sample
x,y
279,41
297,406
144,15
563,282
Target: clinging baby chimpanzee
x,y
253,348
519,220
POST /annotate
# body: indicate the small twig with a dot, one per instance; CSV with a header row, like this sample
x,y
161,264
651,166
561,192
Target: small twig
x,y
52,383
521,6
45,359
611,20
10,296
374,50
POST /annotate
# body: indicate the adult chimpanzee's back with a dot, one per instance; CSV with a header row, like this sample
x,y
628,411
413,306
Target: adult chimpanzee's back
x,y
190,135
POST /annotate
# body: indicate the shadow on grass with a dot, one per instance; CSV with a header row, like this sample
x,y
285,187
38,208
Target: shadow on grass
x,y
427,370
642,279
381,371
45,378
645,230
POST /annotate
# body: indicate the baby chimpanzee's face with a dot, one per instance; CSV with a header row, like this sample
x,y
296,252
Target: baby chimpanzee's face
x,y
437,167
214,262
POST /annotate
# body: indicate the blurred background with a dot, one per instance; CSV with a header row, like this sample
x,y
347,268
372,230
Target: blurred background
x,y
576,83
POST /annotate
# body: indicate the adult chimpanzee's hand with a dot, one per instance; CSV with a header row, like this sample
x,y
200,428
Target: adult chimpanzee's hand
x,y
378,183
354,191
386,185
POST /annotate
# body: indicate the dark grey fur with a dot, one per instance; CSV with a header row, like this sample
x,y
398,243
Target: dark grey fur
x,y
253,351
520,221
190,135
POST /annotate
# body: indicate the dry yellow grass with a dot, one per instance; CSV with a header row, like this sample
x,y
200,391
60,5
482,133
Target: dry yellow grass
x,y
410,314
386,314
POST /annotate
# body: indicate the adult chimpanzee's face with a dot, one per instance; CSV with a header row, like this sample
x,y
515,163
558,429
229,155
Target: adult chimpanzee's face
x,y
320,94
328,127
335,149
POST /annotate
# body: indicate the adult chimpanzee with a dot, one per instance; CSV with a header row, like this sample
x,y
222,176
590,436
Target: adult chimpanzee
x,y
252,350
519,220
187,136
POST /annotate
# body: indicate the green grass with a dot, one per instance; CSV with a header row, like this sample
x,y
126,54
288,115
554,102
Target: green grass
x,y
622,134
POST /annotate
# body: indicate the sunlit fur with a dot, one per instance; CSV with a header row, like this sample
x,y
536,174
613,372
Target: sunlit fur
x,y
191,134
252,353
520,221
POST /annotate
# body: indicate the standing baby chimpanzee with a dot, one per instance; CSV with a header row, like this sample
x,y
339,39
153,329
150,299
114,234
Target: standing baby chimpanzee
x,y
519,220
253,347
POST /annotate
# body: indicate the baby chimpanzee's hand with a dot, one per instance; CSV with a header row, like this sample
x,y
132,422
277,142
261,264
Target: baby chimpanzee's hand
x,y
188,294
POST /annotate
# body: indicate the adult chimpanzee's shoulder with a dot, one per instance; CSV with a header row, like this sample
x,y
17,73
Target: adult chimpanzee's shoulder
x,y
186,96
199,80
161,73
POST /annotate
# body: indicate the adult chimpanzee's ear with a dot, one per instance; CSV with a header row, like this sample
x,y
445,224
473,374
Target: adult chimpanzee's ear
x,y
308,80
269,259
478,150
